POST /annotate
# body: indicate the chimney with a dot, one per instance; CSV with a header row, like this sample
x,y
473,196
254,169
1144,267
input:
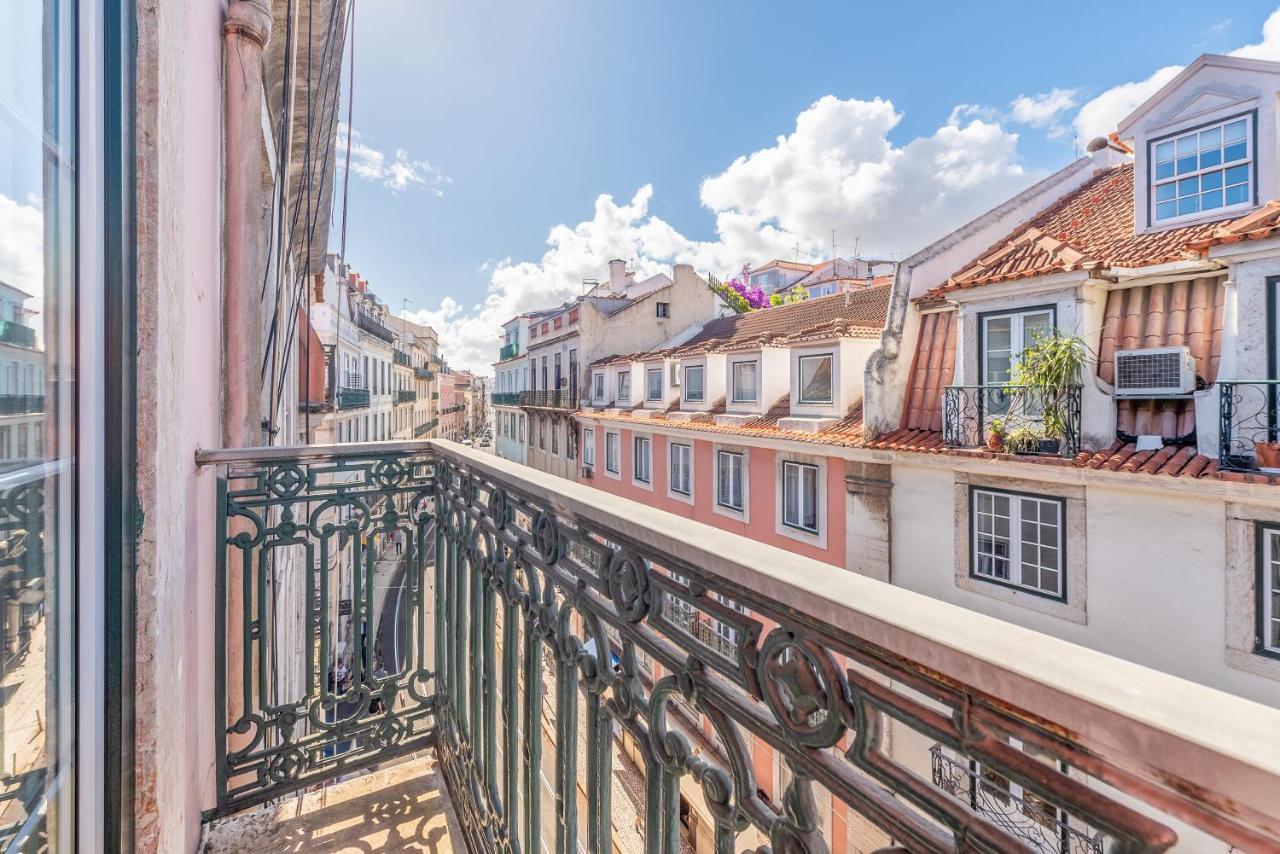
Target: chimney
x,y
1107,153
618,276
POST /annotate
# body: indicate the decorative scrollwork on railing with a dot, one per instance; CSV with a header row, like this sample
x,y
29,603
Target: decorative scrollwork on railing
x,y
1014,419
1248,426
322,635
1033,822
533,598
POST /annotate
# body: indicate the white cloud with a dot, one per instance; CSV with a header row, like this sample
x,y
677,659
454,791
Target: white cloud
x,y
1043,110
1220,27
1101,115
837,170
399,172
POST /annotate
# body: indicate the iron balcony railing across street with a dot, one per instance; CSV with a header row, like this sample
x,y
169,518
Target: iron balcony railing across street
x,y
423,373
353,398
506,398
17,333
550,399
1026,421
509,351
373,600
406,395
1248,424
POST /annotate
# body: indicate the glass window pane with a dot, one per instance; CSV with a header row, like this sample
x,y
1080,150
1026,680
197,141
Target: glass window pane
x,y
1211,138
1164,151
1211,200
1165,210
1165,192
1235,151
1234,131
1187,145
815,379
37,292
1210,158
1189,205
1238,174
1164,170
1211,181
1187,164
1188,186
1237,195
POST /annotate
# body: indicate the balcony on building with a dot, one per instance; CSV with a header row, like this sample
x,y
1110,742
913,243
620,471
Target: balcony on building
x,y
506,398
402,358
509,351
1012,418
371,323
18,334
423,373
406,395
692,689
353,392
562,398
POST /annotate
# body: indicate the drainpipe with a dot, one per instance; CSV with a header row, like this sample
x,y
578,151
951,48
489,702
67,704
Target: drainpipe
x,y
246,31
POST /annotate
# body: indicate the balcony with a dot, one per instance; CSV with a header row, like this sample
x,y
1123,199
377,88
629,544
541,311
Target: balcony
x,y
423,373
1011,419
425,427
21,404
370,323
401,358
509,351
518,602
1248,427
353,398
506,398
549,399
17,334
406,395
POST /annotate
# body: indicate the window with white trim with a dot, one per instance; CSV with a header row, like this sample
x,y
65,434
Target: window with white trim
x,y
1269,591
588,447
624,386
597,393
729,472
800,496
681,468
1018,540
641,460
555,438
542,433
815,378
1205,170
746,386
612,453
653,384
694,388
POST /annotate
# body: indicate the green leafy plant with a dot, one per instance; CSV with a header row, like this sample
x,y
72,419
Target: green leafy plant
x,y
792,296
1052,365
1023,440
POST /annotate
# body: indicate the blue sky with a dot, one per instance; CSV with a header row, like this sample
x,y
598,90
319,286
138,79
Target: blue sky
x,y
481,131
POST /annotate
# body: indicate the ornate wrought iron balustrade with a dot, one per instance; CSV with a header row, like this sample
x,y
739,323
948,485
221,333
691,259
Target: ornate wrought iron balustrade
x,y
353,398
1039,826
970,413
557,646
323,660
406,395
549,399
506,398
1247,418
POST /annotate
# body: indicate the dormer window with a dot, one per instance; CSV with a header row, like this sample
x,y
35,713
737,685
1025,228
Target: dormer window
x,y
624,386
598,390
815,379
746,388
653,384
693,385
1203,171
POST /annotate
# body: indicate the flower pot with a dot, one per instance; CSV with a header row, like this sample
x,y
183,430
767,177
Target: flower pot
x,y
995,441
1050,446
1268,454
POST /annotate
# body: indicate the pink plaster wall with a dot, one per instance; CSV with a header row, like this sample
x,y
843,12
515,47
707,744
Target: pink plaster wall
x,y
761,495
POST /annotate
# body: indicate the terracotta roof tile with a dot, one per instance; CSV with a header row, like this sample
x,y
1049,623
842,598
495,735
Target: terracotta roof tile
x,y
1093,228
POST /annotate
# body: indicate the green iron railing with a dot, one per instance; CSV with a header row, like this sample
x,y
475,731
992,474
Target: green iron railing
x,y
406,395
555,651
402,358
423,373
17,333
353,398
509,351
506,398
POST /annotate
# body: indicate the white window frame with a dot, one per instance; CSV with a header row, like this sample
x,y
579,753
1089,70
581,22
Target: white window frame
x,y
742,482
733,382
702,383
1268,590
636,457
613,454
588,448
649,374
1017,332
1015,547
680,468
597,387
831,383
663,309
624,386
1250,160
802,471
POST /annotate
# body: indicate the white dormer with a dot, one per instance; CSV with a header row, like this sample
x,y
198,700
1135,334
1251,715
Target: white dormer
x,y
660,382
602,389
702,382
1205,144
754,380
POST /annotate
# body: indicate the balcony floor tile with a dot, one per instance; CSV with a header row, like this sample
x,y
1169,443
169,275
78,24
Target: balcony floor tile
x,y
404,807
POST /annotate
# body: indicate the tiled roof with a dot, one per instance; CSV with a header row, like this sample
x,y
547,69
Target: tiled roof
x,y
857,314
776,262
932,370
1092,228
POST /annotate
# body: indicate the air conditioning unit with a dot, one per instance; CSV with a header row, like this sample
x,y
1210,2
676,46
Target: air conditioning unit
x,y
587,472
1155,372
675,375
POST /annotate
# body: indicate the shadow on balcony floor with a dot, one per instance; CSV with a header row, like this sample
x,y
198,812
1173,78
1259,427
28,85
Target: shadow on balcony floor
x,y
401,808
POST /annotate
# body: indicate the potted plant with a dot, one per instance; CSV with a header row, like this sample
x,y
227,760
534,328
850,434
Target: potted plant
x,y
1023,440
1268,454
995,434
1051,366
1055,428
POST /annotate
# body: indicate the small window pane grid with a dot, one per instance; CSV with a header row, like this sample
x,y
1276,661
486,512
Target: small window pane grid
x,y
1269,592
653,378
664,309
588,448
744,383
815,379
729,480
624,386
1149,370
1203,170
641,460
693,386
611,452
1018,540
681,469
800,496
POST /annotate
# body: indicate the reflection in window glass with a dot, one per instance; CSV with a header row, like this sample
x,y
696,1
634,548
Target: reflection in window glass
x,y
815,379
37,135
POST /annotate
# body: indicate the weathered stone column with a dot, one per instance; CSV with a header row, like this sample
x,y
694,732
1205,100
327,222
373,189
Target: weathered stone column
x,y
868,516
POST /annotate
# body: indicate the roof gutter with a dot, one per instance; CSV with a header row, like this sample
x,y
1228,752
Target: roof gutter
x,y
1157,273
